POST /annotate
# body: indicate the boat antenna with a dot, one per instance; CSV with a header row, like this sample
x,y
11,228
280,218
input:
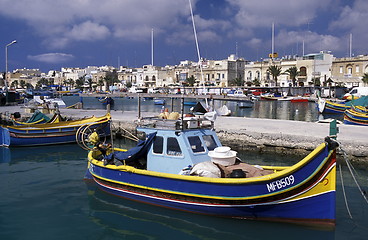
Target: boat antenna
x,y
197,45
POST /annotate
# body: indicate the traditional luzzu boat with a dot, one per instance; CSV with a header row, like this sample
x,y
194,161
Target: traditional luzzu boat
x,y
182,165
326,106
51,133
38,118
356,116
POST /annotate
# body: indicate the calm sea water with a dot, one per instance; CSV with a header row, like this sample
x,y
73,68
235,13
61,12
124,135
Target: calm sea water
x,y
44,196
286,110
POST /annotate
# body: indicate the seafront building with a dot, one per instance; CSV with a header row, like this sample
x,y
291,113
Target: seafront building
x,y
319,69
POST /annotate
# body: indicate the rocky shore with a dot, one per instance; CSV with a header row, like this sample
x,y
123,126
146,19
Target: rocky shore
x,y
256,134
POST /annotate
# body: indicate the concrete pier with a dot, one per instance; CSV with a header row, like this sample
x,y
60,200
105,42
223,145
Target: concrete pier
x,y
282,136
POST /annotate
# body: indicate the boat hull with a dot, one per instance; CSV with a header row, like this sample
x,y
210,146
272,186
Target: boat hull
x,y
305,193
355,117
50,133
325,106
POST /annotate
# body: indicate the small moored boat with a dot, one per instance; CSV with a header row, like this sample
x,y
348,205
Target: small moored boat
x,y
158,101
51,133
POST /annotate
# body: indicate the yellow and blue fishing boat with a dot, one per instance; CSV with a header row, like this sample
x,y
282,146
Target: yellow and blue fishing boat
x,y
356,116
182,165
326,106
50,133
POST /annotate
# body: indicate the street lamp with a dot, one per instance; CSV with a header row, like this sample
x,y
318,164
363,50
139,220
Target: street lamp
x,y
6,63
6,71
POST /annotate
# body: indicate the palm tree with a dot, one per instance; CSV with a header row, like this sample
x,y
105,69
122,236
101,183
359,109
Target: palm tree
x,y
191,81
22,83
100,83
275,71
237,82
365,78
293,73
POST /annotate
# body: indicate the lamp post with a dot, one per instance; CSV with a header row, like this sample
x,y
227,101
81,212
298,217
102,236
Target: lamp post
x,y
6,70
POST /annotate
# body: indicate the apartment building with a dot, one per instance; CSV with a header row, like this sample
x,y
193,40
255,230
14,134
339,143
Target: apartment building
x,y
349,71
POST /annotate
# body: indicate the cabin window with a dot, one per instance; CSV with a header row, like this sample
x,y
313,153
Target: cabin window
x,y
158,145
196,144
173,148
210,142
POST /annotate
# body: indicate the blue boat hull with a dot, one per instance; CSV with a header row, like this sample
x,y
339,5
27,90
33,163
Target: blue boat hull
x,y
303,210
306,193
49,134
354,117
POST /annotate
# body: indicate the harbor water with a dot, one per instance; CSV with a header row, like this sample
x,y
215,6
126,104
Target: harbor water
x,y
285,110
44,196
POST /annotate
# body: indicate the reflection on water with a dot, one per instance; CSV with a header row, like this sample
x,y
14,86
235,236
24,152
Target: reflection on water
x,y
142,221
286,110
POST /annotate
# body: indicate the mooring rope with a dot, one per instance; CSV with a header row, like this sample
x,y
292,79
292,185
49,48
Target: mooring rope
x,y
344,193
351,168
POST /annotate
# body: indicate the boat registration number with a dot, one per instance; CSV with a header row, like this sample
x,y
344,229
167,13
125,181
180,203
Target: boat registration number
x,y
281,183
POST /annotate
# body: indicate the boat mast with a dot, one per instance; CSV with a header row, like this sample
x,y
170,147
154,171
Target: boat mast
x,y
350,44
273,41
198,53
152,46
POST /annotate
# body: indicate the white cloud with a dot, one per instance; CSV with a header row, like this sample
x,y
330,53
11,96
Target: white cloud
x,y
94,20
51,57
314,42
88,31
354,19
256,13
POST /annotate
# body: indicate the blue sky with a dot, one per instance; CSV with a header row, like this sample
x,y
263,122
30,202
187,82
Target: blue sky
x,y
80,33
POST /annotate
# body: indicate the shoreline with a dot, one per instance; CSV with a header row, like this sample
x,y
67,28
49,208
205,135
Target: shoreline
x,y
255,134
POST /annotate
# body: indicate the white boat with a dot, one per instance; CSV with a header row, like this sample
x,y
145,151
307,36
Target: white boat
x,y
49,100
223,111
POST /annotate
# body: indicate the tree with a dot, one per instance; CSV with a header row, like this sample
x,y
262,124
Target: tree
x,y
256,82
237,82
275,71
129,84
79,83
365,78
22,83
41,82
29,86
111,78
100,83
14,84
190,80
293,73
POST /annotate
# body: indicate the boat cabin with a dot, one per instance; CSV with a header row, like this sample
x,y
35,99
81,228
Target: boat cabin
x,y
179,144
173,150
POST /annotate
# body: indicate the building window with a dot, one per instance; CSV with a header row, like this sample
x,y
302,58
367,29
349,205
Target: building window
x,y
356,69
341,69
303,71
350,70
